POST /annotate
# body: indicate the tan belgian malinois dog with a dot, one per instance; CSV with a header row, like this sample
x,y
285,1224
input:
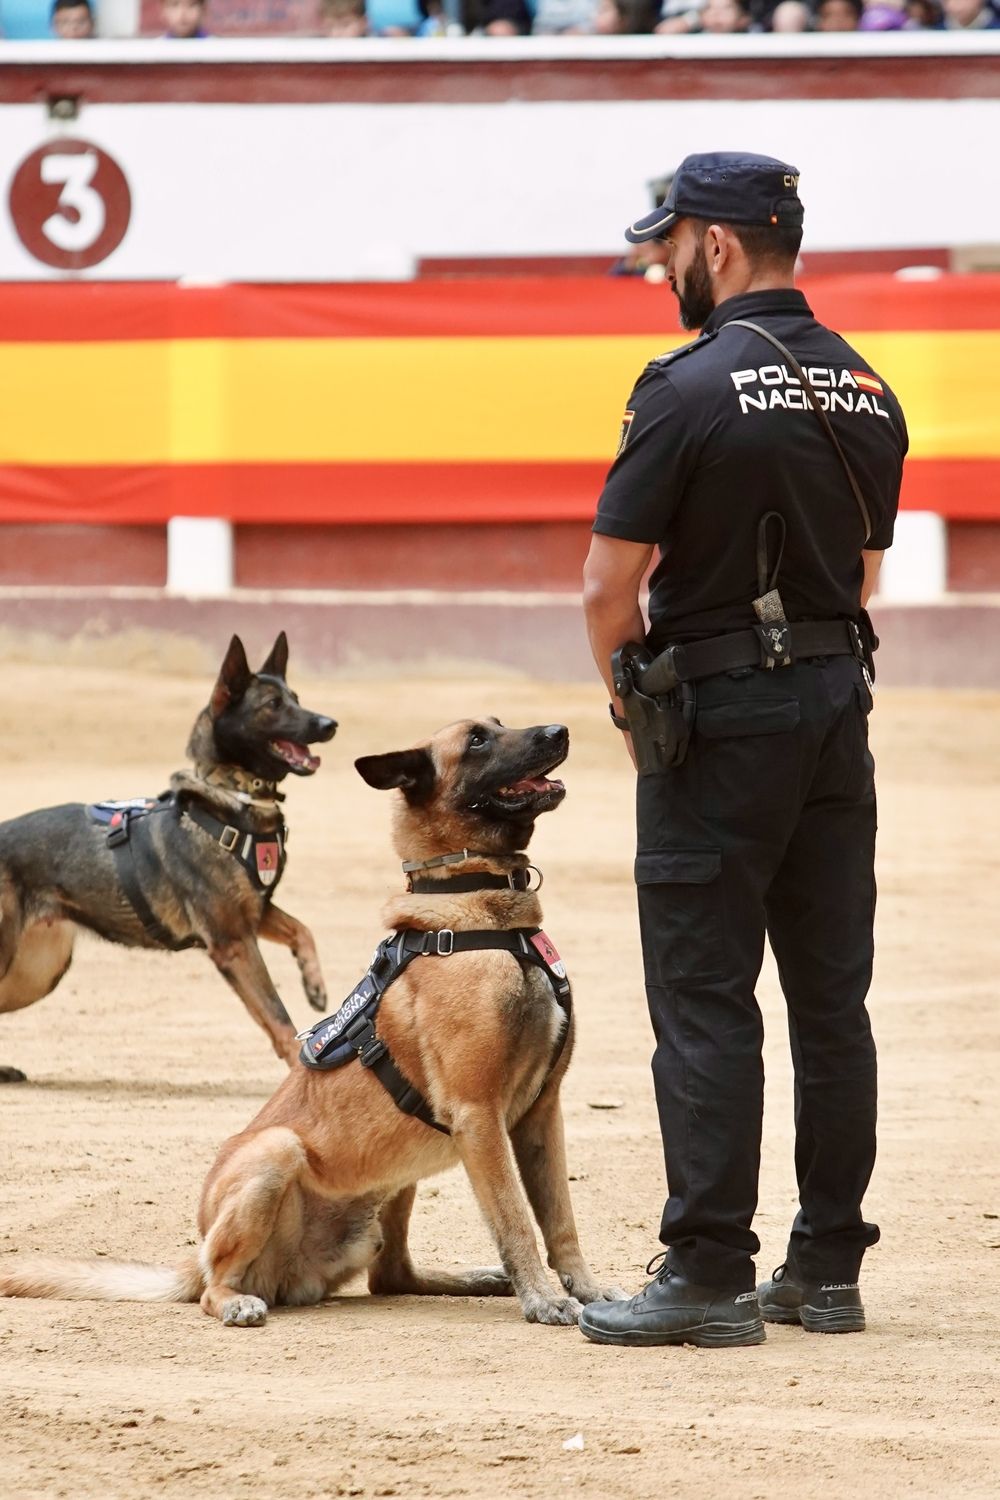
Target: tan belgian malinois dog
x,y
321,1184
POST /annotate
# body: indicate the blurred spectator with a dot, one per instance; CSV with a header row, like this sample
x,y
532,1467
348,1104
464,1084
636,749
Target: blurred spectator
x,y
969,15
342,18
183,20
724,17
506,18
435,21
924,15
882,15
73,20
678,16
625,17
838,15
567,17
790,15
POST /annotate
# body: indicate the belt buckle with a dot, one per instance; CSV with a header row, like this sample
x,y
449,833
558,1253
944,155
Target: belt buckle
x,y
445,942
225,841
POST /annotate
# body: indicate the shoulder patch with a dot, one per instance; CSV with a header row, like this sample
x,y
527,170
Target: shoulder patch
x,y
674,354
624,430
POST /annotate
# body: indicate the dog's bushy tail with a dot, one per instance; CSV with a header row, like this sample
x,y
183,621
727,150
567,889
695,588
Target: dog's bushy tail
x,y
101,1280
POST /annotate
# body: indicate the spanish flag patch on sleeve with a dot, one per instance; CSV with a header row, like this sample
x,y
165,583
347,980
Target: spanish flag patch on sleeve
x,y
868,382
626,428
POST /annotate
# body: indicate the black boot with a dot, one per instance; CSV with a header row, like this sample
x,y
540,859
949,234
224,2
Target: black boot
x,y
828,1307
673,1310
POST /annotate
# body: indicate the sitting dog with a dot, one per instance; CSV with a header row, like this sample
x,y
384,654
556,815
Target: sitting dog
x,y
195,867
454,1046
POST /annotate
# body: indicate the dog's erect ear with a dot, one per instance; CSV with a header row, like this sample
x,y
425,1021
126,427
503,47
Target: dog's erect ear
x,y
410,770
277,663
234,678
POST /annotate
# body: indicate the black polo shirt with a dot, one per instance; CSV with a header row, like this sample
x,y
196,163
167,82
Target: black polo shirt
x,y
718,433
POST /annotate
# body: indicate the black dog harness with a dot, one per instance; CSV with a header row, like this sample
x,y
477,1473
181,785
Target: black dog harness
x,y
262,855
351,1031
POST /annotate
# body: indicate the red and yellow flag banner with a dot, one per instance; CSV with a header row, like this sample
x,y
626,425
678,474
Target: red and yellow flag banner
x,y
493,400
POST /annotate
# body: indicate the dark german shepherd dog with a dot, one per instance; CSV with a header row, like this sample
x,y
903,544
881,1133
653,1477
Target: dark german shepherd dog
x,y
193,868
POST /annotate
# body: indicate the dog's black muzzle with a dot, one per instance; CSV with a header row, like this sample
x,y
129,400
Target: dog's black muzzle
x,y
320,729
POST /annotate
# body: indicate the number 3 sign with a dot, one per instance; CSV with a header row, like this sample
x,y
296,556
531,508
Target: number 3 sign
x,y
70,204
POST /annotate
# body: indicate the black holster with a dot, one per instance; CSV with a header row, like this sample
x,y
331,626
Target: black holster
x,y
869,642
660,723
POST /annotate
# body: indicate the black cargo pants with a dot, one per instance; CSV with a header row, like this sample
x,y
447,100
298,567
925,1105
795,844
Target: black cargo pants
x,y
768,826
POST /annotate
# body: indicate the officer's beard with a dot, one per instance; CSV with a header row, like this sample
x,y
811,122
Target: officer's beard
x,y
695,296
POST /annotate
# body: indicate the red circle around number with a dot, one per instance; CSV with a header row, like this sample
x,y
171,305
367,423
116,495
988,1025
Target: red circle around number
x,y
35,203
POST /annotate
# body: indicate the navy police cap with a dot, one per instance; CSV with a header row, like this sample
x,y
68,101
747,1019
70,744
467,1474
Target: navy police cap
x,y
729,187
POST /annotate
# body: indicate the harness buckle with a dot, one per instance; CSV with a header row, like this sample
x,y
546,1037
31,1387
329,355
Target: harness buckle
x,y
362,1037
229,838
445,942
119,835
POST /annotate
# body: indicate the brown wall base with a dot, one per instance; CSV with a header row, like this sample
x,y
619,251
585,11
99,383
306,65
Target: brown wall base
x,y
547,556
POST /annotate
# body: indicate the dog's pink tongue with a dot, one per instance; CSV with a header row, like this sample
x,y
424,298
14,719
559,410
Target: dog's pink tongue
x,y
533,784
297,755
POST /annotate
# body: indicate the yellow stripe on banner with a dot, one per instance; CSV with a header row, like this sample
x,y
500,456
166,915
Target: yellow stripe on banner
x,y
410,400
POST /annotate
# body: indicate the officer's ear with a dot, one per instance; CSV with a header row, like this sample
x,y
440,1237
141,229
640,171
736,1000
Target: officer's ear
x,y
716,247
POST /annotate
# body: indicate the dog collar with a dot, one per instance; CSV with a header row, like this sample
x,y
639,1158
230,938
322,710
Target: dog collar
x,y
518,879
252,791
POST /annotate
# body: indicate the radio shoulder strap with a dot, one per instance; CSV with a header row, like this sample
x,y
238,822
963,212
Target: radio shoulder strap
x,y
825,423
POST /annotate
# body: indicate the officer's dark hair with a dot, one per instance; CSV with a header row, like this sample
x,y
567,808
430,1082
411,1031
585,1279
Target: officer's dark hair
x,y
763,244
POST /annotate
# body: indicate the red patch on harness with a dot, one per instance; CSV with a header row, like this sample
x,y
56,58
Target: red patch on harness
x,y
267,863
547,950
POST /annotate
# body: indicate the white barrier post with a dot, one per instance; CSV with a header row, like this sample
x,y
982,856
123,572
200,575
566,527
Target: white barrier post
x,y
199,555
916,565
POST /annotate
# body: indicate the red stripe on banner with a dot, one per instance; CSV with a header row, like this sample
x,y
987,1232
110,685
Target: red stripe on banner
x,y
540,306
961,489
328,494
359,494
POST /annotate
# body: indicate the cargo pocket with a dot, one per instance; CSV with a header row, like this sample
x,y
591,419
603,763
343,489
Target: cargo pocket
x,y
680,913
747,755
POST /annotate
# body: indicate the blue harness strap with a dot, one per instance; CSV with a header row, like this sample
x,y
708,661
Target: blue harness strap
x,y
351,1033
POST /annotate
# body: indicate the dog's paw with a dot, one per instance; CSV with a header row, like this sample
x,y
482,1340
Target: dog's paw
x,y
561,1312
244,1312
12,1075
588,1291
316,995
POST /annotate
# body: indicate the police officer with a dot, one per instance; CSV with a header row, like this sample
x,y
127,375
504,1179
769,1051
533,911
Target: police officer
x,y
756,801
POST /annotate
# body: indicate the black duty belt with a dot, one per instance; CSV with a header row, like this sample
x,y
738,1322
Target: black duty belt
x,y
351,1031
743,648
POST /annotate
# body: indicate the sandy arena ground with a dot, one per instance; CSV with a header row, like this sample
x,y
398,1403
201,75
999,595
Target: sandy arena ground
x,y
141,1064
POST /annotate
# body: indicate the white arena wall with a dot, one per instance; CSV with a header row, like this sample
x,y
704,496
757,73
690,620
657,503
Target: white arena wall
x,y
302,160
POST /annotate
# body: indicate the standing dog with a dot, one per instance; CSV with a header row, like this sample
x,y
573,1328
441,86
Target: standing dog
x,y
194,868
322,1182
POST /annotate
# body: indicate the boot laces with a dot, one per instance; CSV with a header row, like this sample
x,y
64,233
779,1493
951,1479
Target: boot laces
x,y
658,1268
